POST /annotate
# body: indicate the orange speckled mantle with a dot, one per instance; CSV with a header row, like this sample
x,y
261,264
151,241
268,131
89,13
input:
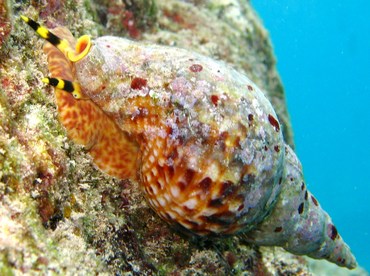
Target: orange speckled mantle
x,y
86,123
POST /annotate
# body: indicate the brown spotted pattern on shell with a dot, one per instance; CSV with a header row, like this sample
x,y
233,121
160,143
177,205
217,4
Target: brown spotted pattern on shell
x,y
202,140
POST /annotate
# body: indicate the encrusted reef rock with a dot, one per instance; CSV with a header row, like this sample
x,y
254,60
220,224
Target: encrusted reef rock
x,y
57,210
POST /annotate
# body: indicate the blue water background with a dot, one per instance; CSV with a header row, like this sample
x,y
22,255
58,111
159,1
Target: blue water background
x,y
323,52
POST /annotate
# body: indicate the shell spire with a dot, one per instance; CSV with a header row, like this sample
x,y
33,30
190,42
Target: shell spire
x,y
299,224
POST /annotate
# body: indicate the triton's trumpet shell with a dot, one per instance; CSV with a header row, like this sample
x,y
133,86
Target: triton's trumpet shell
x,y
201,138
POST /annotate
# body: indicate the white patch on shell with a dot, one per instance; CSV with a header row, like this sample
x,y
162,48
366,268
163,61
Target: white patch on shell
x,y
209,211
162,161
167,196
148,177
154,171
213,170
151,159
193,160
155,190
161,183
185,224
178,210
259,111
155,203
190,203
151,202
216,228
175,191
171,214
161,201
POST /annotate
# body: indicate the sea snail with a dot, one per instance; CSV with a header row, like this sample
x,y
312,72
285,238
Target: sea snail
x,y
201,139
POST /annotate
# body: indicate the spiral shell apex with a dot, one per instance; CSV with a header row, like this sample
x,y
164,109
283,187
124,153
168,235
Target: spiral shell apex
x,y
201,139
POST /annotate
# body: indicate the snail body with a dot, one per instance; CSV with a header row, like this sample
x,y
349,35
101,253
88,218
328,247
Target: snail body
x,y
201,139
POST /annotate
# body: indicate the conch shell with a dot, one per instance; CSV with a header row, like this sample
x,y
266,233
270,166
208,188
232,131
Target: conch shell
x,y
202,140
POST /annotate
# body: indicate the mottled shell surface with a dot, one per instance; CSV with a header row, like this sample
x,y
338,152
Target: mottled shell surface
x,y
210,142
201,139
